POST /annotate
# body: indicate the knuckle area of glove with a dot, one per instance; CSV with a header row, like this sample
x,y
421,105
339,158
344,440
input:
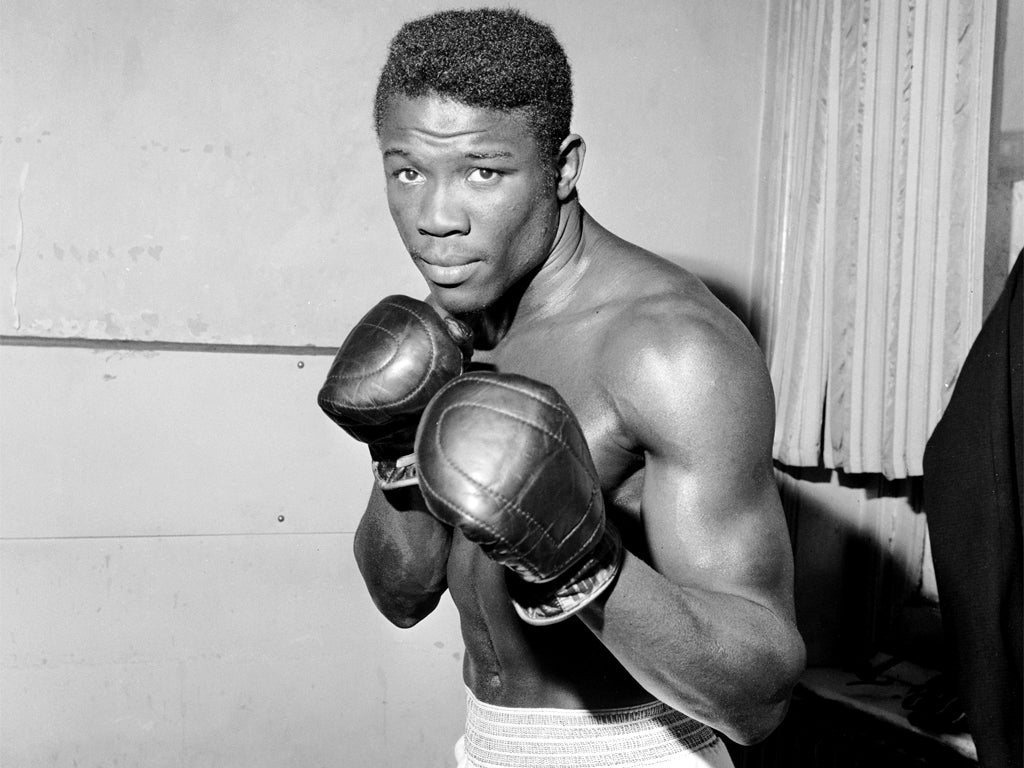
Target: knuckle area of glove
x,y
559,486
388,381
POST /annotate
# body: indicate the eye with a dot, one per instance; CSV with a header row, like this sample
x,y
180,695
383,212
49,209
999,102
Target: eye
x,y
407,175
484,175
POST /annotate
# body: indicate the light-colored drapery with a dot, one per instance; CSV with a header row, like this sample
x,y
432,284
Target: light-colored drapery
x,y
871,221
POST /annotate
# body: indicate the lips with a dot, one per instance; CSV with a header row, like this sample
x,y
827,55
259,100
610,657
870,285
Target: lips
x,y
443,272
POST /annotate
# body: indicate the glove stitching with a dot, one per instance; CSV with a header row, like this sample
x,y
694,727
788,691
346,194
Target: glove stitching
x,y
560,407
425,486
336,377
555,403
395,338
509,505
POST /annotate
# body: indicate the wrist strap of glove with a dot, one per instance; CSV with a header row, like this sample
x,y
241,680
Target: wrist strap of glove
x,y
552,602
396,473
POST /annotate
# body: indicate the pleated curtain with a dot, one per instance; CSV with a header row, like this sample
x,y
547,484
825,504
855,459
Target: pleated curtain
x,y
871,222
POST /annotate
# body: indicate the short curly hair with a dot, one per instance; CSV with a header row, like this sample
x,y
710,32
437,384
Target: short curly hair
x,y
491,58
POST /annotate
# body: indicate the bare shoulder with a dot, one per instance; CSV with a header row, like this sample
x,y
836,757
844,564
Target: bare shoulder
x,y
675,360
691,391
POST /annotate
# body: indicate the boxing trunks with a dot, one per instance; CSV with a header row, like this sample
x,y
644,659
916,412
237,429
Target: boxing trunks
x,y
651,734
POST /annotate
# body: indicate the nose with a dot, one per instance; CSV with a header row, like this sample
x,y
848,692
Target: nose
x,y
442,213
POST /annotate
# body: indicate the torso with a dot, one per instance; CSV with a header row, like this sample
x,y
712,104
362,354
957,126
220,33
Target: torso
x,y
511,663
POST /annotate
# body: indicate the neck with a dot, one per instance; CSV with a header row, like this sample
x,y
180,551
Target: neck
x,y
546,289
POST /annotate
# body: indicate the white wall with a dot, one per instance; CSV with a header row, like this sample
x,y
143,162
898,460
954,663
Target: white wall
x,y
191,218
206,172
158,611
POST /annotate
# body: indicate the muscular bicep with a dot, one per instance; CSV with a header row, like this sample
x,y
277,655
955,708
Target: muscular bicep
x,y
715,538
710,506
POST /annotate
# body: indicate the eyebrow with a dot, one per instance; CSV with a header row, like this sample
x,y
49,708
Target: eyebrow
x,y
495,155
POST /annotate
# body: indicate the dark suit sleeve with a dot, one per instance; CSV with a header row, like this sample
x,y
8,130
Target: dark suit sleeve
x,y
972,495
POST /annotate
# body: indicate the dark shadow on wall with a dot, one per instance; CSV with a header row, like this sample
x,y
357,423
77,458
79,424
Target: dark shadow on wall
x,y
728,294
731,298
856,591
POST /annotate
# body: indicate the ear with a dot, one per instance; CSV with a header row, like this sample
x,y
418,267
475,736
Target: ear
x,y
570,165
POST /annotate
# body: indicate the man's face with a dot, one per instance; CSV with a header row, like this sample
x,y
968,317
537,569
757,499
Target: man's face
x,y
473,200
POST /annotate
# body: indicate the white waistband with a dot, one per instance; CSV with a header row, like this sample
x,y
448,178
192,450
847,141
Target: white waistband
x,y
512,737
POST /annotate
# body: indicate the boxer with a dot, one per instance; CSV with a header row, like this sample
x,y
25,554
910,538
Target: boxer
x,y
571,436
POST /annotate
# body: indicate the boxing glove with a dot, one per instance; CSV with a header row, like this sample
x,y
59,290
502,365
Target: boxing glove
x,y
503,459
385,372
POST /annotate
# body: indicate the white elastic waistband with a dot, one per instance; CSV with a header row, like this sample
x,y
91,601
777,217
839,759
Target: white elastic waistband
x,y
508,737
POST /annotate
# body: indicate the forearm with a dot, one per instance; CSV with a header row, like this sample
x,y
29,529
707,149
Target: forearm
x,y
722,659
402,554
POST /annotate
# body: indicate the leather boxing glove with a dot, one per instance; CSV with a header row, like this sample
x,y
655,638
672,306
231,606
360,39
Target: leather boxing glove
x,y
392,362
503,458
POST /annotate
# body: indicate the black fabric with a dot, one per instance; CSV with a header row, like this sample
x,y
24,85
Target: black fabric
x,y
972,496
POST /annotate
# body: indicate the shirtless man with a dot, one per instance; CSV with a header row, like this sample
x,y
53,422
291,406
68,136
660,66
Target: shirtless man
x,y
634,599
